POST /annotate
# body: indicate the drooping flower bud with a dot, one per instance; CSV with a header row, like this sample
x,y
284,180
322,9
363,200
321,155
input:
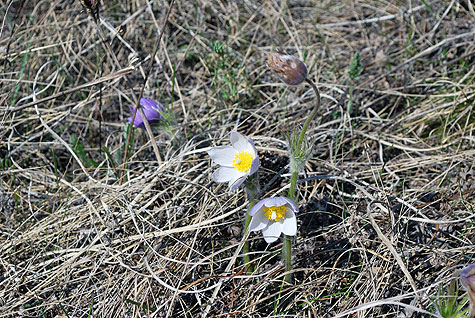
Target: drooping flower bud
x,y
289,68
467,278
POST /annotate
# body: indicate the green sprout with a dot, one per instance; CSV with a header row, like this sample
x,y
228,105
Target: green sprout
x,y
445,302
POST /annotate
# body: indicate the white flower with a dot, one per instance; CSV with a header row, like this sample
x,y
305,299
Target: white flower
x,y
237,161
274,216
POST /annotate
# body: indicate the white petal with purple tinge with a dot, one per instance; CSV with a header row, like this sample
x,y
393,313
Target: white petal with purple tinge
x,y
225,174
272,232
276,201
223,155
289,223
241,143
257,207
234,184
258,222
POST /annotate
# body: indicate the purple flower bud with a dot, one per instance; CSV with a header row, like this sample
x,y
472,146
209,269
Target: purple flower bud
x,y
151,110
289,68
467,278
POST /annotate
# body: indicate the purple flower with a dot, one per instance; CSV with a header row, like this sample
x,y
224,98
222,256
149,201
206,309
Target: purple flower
x,y
151,110
237,161
274,216
467,278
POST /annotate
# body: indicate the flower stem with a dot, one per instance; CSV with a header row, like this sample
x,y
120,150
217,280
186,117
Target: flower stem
x,y
245,248
293,185
312,114
287,251
252,191
287,248
293,180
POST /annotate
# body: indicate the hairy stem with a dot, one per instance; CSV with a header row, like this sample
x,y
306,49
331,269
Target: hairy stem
x,y
287,248
287,251
312,114
245,248
252,191
293,180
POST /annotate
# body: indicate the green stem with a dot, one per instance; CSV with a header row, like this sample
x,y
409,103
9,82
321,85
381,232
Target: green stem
x,y
252,191
312,114
245,248
293,185
287,248
293,180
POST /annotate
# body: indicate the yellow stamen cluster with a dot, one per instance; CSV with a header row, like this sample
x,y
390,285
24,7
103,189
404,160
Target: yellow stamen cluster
x,y
242,161
275,213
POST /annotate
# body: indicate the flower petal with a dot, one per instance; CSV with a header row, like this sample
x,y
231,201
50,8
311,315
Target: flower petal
x,y
241,143
225,174
275,201
251,142
467,278
234,184
272,232
151,114
148,103
258,222
150,109
254,165
223,155
289,223
138,122
257,207
293,205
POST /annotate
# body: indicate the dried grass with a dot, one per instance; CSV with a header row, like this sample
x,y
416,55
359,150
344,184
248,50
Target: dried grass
x,y
387,209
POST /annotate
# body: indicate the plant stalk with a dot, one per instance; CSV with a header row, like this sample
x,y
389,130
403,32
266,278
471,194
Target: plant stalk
x,y
245,248
287,248
287,251
312,114
252,191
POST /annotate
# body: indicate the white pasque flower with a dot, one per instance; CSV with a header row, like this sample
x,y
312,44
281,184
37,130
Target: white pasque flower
x,y
237,161
274,216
